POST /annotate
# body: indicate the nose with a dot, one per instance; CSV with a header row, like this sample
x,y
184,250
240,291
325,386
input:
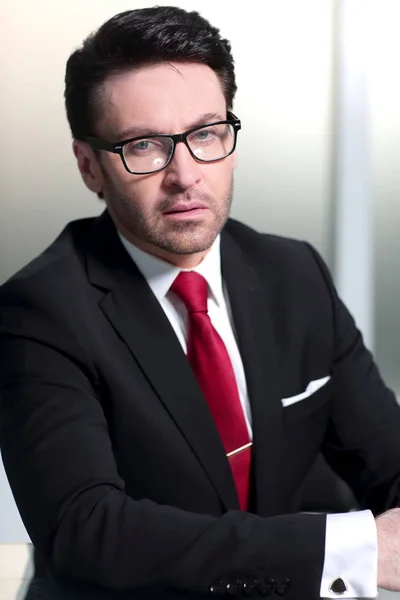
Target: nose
x,y
183,170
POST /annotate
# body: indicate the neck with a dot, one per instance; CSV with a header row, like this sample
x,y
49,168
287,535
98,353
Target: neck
x,y
182,261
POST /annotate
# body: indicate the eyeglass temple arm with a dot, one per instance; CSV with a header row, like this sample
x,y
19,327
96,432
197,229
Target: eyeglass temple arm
x,y
100,144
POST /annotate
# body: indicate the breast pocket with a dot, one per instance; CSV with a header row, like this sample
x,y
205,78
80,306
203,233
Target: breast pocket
x,y
307,405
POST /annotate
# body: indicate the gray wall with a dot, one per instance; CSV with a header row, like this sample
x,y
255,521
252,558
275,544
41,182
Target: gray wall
x,y
385,128
283,51
284,75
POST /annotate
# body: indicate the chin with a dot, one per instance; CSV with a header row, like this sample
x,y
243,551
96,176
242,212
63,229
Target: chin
x,y
193,246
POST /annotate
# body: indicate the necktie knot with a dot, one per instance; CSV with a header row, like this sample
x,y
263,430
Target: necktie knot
x,y
192,289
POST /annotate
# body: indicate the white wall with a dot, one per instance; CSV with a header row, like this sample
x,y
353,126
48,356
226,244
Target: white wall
x,y
283,51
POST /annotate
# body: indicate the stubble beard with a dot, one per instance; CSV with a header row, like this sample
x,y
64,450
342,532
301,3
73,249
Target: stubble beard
x,y
177,237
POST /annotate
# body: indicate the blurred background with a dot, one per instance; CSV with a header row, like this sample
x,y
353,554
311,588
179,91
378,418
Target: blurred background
x,y
319,151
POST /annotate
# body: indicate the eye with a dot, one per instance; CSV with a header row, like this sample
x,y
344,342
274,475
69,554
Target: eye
x,y
143,145
140,147
204,135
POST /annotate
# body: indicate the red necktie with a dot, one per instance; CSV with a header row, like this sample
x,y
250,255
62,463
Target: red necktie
x,y
210,362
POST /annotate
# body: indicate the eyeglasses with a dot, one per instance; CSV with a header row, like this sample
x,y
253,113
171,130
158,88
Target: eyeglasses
x,y
148,154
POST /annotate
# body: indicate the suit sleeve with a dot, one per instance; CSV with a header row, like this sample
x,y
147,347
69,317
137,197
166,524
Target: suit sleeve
x,y
363,440
59,459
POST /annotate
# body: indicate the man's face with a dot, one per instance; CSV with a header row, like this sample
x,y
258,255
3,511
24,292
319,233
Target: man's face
x,y
169,98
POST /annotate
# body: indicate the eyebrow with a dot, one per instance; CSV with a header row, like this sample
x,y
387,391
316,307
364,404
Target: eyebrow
x,y
142,130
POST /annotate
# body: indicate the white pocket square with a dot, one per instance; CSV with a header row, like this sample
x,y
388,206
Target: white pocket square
x,y
312,387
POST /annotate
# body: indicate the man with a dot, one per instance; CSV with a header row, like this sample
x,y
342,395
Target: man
x,y
169,375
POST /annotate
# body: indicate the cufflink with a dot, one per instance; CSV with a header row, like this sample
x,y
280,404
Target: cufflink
x,y
338,586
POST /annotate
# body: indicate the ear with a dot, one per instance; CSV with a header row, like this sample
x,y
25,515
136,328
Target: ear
x,y
88,166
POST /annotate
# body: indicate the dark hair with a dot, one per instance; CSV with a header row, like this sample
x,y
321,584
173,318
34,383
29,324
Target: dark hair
x,y
136,38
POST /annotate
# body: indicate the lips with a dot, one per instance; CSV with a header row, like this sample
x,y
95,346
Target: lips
x,y
185,208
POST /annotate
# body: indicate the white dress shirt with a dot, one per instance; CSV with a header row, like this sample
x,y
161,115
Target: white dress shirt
x,y
351,538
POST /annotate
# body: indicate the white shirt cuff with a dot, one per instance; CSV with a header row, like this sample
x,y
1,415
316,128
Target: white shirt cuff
x,y
351,554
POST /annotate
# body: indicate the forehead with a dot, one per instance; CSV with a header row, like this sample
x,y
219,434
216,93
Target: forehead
x,y
166,97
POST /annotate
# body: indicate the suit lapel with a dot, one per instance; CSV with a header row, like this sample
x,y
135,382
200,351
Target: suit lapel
x,y
136,315
251,310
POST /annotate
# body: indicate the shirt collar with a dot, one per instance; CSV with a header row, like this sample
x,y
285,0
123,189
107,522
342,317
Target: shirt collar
x,y
160,274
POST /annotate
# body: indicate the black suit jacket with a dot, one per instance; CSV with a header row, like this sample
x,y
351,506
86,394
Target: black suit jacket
x,y
112,455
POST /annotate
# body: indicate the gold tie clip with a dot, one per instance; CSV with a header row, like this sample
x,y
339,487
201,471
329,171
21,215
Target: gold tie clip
x,y
239,449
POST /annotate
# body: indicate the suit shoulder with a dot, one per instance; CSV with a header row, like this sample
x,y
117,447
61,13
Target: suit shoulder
x,y
279,252
248,237
51,267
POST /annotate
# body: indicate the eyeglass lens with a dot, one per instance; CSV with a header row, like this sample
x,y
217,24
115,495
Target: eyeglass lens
x,y
209,143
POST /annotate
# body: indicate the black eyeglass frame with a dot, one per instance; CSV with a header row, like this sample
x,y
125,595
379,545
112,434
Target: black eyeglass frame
x,y
118,147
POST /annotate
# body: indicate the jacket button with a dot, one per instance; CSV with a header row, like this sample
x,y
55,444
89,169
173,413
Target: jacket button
x,y
282,587
218,588
250,587
234,587
267,587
